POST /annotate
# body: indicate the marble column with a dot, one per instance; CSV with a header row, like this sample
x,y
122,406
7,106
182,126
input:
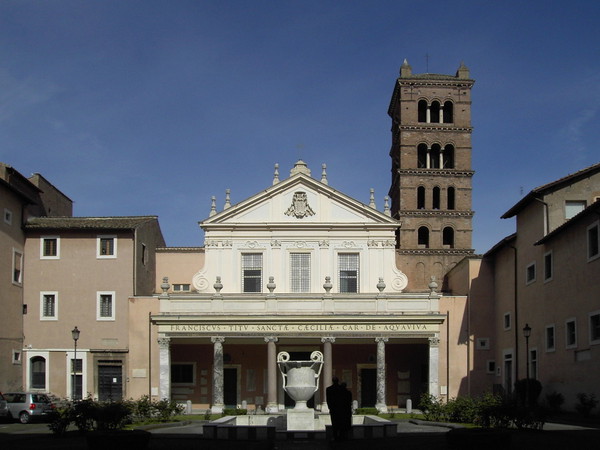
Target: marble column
x,y
164,384
381,404
217,388
272,405
434,361
327,369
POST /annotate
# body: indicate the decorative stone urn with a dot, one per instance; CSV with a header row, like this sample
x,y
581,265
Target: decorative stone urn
x,y
300,378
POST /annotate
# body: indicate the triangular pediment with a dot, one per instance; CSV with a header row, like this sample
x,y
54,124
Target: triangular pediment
x,y
299,201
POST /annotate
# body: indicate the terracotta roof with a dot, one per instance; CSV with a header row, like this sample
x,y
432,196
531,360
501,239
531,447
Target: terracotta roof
x,y
87,223
550,187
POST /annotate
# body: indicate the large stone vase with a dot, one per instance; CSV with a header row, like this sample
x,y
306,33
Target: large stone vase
x,y
300,378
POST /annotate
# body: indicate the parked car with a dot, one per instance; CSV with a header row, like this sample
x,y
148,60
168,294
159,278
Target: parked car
x,y
25,406
3,407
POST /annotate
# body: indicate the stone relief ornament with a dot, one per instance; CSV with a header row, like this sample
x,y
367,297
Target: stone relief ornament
x,y
300,207
400,281
200,282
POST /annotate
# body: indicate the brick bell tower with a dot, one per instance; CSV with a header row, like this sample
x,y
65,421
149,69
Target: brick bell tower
x,y
431,173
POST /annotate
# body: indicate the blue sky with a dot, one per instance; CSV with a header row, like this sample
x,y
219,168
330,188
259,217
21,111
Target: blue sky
x,y
151,107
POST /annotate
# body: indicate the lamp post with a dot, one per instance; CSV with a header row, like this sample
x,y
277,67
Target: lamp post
x,y
526,334
75,334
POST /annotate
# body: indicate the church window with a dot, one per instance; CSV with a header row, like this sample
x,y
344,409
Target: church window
x,y
420,197
348,272
448,157
436,198
252,272
434,157
422,111
448,237
450,200
448,112
435,112
422,156
423,237
300,272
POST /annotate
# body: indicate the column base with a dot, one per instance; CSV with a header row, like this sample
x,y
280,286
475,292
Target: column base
x,y
381,408
272,408
217,409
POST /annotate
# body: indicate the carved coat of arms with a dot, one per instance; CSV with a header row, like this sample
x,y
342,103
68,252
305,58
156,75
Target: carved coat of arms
x,y
300,207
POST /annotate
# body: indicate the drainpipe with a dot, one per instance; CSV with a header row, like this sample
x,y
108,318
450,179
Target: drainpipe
x,y
516,324
546,216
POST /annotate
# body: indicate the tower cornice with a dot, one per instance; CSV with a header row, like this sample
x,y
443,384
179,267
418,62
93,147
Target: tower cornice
x,y
437,172
429,127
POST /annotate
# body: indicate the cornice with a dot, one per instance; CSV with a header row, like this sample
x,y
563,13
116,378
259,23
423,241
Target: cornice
x,y
429,82
436,213
437,172
432,251
429,127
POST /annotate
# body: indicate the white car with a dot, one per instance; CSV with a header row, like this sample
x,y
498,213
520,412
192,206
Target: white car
x,y
27,405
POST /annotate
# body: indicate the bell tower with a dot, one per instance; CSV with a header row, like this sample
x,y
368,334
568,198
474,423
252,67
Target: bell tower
x,y
431,172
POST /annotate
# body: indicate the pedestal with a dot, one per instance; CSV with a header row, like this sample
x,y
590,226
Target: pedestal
x,y
301,419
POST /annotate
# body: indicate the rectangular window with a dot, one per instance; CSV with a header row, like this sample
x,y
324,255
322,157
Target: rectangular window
x,y
530,273
482,344
348,272
300,272
50,247
181,287
17,272
593,234
571,333
106,306
8,215
76,375
548,267
49,306
533,364
252,272
107,246
507,324
183,373
573,207
595,327
16,356
550,345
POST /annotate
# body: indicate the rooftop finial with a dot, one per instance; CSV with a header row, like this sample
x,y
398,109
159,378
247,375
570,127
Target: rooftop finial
x,y
227,199
213,206
300,167
276,174
324,174
386,206
372,199
405,69
463,71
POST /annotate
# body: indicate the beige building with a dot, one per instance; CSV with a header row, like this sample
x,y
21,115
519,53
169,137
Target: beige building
x,y
396,299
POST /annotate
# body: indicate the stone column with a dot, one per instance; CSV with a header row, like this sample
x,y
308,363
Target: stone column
x,y
381,404
327,369
272,406
434,361
164,384
217,388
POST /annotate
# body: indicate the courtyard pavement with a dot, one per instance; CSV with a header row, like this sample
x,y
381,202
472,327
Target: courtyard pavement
x,y
411,435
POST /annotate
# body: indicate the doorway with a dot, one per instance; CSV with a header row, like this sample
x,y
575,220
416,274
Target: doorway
x,y
368,387
230,387
110,380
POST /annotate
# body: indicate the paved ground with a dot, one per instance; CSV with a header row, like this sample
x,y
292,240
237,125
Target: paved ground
x,y
410,436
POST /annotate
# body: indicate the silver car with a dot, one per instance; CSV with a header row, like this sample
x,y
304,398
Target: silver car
x,y
3,407
27,405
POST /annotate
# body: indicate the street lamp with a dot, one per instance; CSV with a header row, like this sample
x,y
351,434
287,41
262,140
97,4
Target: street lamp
x,y
526,334
75,334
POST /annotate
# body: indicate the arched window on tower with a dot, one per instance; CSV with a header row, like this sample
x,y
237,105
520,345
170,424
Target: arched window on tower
x,y
436,198
38,372
448,237
434,156
423,237
448,153
422,156
450,199
420,197
448,112
422,111
434,112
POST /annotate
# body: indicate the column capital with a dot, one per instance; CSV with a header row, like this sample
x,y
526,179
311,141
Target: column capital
x,y
217,339
381,340
271,339
328,339
434,341
164,342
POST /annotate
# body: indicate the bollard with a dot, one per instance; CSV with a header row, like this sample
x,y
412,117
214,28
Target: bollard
x,y
408,406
